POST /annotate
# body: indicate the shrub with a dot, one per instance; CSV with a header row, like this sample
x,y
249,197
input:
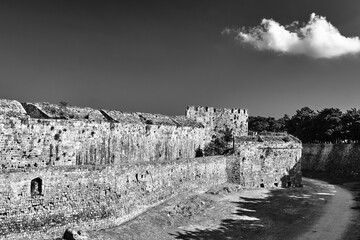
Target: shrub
x,y
221,144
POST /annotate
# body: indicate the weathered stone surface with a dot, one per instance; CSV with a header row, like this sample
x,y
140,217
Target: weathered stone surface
x,y
56,111
122,117
157,119
217,119
336,159
187,122
49,142
93,197
63,166
267,161
11,108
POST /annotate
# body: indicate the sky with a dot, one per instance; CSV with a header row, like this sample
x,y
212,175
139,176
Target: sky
x,y
161,56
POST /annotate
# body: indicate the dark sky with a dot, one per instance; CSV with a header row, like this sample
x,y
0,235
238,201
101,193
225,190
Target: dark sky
x,y
160,56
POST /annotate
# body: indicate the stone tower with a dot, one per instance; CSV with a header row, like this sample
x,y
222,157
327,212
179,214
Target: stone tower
x,y
217,119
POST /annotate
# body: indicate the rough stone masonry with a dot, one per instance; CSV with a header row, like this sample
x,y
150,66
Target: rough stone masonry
x,y
63,166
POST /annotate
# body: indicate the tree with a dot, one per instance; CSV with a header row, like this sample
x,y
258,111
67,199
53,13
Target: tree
x,y
328,125
267,124
301,124
283,123
221,144
351,124
258,124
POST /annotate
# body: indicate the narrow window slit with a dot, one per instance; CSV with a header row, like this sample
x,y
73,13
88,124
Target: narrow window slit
x,y
36,187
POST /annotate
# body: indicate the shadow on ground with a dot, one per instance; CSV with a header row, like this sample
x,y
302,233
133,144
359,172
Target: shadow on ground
x,y
283,214
228,213
351,184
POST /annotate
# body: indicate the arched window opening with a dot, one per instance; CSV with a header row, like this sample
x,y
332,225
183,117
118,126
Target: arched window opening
x,y
36,187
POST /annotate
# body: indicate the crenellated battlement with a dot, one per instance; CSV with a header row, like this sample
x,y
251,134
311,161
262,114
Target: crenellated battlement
x,y
214,118
214,110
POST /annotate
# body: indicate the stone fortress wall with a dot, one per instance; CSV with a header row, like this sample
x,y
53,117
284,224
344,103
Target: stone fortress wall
x,y
269,160
61,136
341,160
65,166
217,119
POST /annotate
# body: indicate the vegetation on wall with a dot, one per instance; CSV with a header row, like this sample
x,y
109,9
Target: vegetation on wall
x,y
221,144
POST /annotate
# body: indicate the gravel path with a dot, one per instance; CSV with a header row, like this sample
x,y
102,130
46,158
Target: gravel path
x,y
337,214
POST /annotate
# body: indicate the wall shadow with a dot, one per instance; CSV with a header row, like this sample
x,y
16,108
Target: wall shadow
x,y
234,175
273,217
293,179
336,160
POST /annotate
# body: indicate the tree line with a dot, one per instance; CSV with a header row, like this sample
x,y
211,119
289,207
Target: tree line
x,y
327,125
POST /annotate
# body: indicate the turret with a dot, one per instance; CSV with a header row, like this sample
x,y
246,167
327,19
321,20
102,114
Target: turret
x,y
216,119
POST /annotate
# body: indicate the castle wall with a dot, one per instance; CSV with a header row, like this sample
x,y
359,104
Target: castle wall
x,y
336,159
27,142
64,166
217,119
94,197
267,163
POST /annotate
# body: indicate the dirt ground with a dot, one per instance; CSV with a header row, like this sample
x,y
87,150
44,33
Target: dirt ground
x,y
347,194
226,212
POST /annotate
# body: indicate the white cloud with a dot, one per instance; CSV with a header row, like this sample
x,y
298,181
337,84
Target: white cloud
x,y
317,39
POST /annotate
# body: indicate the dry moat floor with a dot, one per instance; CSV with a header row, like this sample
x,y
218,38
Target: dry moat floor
x,y
318,210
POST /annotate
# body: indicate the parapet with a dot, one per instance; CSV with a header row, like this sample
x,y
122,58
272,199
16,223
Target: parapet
x,y
55,111
120,116
11,108
273,140
157,119
149,119
195,116
269,137
200,109
187,122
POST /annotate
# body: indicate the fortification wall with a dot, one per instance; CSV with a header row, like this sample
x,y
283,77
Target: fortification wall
x,y
268,161
64,166
93,197
37,142
40,142
337,159
217,119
